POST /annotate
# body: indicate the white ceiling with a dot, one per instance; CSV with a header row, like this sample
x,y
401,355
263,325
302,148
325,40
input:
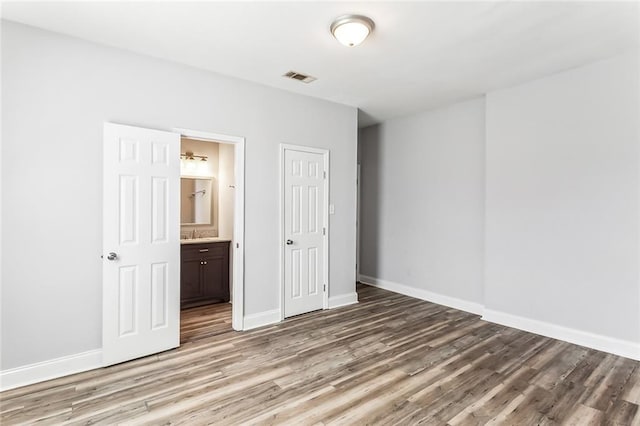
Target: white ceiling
x,y
421,54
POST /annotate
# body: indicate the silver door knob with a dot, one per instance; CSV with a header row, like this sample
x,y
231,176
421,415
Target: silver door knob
x,y
112,256
289,242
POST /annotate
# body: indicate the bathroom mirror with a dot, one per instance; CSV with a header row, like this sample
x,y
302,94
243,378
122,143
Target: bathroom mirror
x,y
197,201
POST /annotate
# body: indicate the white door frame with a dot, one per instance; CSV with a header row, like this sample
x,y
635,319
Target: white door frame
x,y
237,297
358,222
325,220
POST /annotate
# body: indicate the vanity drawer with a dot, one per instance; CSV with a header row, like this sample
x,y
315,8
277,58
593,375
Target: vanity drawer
x,y
206,250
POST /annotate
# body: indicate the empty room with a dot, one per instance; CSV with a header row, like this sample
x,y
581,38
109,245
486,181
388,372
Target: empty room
x,y
304,213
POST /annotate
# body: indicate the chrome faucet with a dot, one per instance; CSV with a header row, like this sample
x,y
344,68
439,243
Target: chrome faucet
x,y
194,234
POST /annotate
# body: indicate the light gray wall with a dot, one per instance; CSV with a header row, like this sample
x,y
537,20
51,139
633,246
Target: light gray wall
x,y
562,228
562,199
57,93
422,200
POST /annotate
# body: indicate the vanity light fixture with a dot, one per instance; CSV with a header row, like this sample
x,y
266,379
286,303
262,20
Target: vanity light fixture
x,y
191,156
351,30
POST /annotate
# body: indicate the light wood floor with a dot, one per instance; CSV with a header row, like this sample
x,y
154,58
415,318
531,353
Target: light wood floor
x,y
388,360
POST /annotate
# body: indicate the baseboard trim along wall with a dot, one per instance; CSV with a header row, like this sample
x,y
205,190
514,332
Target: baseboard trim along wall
x,y
452,302
261,319
85,361
599,342
343,300
611,345
51,369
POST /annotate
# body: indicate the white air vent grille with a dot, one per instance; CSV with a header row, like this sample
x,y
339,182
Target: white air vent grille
x,y
299,76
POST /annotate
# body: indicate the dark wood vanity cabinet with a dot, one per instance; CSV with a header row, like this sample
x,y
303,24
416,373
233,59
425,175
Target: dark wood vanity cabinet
x,y
204,274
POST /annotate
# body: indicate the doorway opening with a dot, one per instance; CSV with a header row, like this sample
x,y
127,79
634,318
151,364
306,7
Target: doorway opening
x,y
141,236
211,233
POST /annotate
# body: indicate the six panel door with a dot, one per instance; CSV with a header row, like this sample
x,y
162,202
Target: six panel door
x,y
304,229
141,242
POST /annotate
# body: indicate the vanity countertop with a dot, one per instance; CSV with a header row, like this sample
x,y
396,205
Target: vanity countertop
x,y
204,240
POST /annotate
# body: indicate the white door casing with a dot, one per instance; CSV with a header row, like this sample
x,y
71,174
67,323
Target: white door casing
x,y
141,225
237,254
305,198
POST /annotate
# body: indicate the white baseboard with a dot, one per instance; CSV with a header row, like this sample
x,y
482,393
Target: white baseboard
x,y
51,369
261,319
343,300
611,345
440,299
599,342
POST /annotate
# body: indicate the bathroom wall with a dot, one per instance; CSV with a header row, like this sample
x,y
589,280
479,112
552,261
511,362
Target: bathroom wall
x,y
226,190
208,169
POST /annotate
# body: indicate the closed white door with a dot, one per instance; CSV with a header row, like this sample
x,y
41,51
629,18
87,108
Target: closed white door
x,y
305,242
141,242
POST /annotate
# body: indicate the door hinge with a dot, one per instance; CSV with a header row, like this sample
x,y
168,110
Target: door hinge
x,y
324,174
237,245
324,231
325,288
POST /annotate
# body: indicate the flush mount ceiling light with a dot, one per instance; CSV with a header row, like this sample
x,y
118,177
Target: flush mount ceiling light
x,y
351,30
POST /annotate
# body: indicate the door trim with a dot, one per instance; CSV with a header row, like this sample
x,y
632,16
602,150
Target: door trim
x,y
325,220
237,298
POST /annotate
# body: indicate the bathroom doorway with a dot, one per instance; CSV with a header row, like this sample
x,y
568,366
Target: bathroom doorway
x,y
211,233
141,237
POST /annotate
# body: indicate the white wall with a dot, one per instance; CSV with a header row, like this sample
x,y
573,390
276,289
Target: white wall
x,y
562,199
422,197
226,191
57,93
562,225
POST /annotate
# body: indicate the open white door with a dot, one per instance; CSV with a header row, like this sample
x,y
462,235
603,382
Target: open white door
x,y
141,242
305,199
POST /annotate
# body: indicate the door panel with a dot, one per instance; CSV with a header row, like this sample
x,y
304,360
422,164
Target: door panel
x,y
304,207
212,275
160,210
127,308
141,283
296,210
313,209
159,295
296,274
191,279
128,210
312,255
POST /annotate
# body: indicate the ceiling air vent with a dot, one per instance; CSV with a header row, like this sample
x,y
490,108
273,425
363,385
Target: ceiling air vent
x,y
300,77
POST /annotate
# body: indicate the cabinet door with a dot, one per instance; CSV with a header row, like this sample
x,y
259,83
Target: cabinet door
x,y
216,278
191,286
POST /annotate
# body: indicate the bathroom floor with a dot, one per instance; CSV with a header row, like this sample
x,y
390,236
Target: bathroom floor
x,y
204,321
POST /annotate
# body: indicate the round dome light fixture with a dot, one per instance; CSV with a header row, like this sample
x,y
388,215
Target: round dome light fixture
x,y
351,30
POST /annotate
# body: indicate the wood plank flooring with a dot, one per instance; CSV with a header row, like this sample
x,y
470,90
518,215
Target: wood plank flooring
x,y
389,360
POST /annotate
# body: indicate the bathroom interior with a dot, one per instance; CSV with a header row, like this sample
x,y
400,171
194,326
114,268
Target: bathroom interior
x,y
206,230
